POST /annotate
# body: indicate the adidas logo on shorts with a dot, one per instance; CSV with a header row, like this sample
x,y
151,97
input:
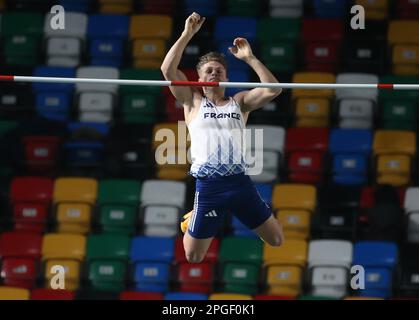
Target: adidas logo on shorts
x,y
211,214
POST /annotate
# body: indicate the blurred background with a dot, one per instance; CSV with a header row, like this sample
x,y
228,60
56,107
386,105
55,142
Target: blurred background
x,y
80,188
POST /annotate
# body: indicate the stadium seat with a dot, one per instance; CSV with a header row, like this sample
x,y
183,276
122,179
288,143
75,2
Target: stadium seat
x,y
278,50
240,260
398,108
162,201
107,34
12,293
229,296
185,296
118,202
54,100
284,267
375,10
394,151
84,148
404,44
379,260
96,101
312,107
321,39
31,200
64,47
66,250
74,198
116,7
51,294
356,107
267,160
152,257
305,149
329,262
149,34
411,206
211,257
167,7
106,258
286,8
243,8
408,274
170,144
330,9
350,149
135,295
22,32
337,212
20,253
197,277
76,5
407,9
128,152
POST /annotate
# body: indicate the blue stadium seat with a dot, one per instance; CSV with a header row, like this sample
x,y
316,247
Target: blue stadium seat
x,y
152,257
330,8
76,5
379,258
203,7
53,100
351,149
185,296
229,28
84,149
107,34
240,230
236,75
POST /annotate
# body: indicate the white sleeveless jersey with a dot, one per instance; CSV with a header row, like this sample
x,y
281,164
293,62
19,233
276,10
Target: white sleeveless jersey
x,y
218,145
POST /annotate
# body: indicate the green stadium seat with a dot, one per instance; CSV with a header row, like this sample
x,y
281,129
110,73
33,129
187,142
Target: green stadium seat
x,y
22,32
107,257
243,7
118,201
240,260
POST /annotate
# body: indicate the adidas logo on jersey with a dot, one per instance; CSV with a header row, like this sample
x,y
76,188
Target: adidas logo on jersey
x,y
211,214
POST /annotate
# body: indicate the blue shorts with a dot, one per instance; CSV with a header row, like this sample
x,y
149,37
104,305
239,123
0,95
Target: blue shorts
x,y
216,196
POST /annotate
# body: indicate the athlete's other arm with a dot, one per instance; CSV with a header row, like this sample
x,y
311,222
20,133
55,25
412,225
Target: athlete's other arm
x,y
171,62
258,97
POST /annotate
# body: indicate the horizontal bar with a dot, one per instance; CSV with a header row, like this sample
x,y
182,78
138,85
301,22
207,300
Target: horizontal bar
x,y
248,85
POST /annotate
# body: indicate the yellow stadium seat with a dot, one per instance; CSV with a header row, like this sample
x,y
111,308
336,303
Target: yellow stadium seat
x,y
229,296
296,223
67,250
294,196
405,70
1,5
153,64
75,190
12,293
291,252
284,280
72,273
116,6
312,123
394,142
150,26
73,218
312,108
63,246
403,32
406,54
74,198
313,77
375,9
144,49
393,170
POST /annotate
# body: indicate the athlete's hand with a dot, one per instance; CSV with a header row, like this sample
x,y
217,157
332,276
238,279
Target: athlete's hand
x,y
241,49
193,23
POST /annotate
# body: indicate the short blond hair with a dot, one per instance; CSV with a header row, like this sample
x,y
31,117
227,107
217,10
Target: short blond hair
x,y
211,56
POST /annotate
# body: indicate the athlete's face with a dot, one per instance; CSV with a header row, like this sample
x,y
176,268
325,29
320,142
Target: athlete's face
x,y
213,71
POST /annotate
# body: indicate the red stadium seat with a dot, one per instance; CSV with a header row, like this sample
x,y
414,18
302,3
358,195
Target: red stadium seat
x,y
407,9
41,153
159,7
305,148
51,294
195,277
31,198
134,295
20,254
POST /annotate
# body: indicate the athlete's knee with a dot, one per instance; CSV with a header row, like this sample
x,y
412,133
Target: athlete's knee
x,y
194,256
